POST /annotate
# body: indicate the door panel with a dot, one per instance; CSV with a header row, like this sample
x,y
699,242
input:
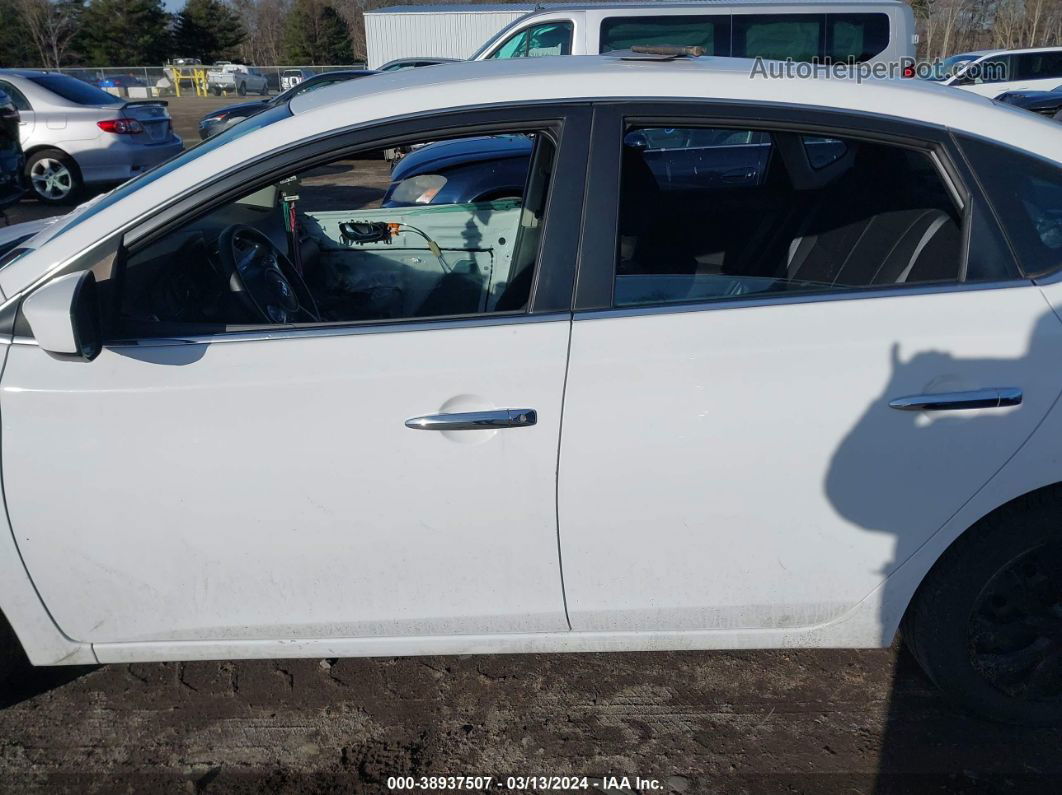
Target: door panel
x,y
740,466
269,488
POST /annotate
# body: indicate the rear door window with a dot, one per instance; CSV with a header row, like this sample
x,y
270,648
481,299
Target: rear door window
x,y
710,32
723,214
18,99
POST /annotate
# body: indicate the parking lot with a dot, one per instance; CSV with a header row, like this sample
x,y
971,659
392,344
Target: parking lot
x,y
794,720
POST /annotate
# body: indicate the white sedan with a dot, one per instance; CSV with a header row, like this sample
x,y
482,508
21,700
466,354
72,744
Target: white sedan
x,y
746,363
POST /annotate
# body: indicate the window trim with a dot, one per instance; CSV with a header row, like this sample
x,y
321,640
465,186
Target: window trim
x,y
595,279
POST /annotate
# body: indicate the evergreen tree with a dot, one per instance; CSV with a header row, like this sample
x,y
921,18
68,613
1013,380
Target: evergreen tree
x,y
16,43
316,34
208,29
125,33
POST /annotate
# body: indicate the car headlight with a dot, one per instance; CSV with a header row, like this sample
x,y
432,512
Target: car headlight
x,y
420,189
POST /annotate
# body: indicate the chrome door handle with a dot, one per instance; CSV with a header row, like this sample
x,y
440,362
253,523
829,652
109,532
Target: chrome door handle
x,y
960,401
475,420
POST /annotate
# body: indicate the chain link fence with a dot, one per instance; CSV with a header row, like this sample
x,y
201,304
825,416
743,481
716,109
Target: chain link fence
x,y
119,79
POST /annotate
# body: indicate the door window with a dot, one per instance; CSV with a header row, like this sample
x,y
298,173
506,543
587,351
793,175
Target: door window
x,y
550,38
710,32
452,230
734,214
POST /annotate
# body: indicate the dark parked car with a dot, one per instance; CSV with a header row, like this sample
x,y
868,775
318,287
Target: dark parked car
x,y
458,172
1047,103
218,120
12,161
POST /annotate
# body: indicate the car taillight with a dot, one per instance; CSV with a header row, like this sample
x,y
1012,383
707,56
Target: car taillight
x,y
121,126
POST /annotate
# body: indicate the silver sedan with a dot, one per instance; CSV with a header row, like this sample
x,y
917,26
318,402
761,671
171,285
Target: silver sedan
x,y
75,135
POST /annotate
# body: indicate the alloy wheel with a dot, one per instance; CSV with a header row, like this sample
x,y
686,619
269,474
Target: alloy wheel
x,y
51,179
1016,627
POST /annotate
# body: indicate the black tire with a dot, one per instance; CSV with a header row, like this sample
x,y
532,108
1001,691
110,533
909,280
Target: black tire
x,y
12,658
241,89
986,624
217,91
264,90
67,184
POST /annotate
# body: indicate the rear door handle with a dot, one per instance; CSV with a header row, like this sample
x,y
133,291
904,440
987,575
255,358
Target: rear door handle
x,y
475,420
960,401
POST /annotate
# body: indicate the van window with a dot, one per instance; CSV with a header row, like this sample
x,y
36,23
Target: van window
x,y
852,38
710,32
856,37
1039,65
779,36
549,38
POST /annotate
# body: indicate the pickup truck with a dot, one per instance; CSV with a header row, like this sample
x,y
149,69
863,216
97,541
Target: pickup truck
x,y
224,77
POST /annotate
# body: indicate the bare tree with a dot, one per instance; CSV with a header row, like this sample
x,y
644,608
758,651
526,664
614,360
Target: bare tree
x,y
51,25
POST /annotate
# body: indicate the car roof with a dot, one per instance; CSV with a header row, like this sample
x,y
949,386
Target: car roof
x,y
558,78
466,8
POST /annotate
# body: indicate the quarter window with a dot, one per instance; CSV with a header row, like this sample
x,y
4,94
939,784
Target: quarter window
x,y
733,214
551,38
353,241
1027,194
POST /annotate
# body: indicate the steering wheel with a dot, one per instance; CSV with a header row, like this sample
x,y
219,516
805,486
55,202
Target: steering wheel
x,y
262,277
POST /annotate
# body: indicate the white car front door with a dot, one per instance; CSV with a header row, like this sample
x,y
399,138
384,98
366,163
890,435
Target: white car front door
x,y
742,444
268,484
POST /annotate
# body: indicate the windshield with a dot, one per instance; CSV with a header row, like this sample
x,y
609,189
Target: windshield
x,y
74,90
501,34
257,122
951,67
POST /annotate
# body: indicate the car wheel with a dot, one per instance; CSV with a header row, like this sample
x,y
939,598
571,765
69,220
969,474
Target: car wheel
x,y
986,624
241,89
265,90
217,91
53,176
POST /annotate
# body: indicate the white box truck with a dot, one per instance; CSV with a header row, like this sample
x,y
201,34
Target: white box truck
x,y
439,31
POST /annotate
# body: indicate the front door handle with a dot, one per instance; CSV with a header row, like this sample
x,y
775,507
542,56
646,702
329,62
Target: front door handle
x,y
960,401
475,420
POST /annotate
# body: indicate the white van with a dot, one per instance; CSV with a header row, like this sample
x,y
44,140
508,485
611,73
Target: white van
x,y
994,72
826,32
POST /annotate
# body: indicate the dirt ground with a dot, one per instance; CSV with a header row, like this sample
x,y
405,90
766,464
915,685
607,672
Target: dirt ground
x,y
793,721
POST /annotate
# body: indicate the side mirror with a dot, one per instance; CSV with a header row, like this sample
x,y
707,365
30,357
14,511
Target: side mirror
x,y
64,317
